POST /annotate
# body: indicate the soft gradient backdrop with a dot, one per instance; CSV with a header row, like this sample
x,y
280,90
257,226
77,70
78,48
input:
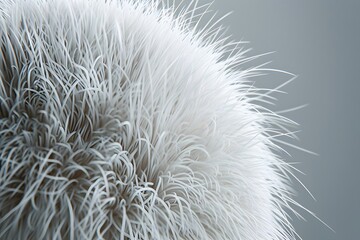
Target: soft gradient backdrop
x,y
320,42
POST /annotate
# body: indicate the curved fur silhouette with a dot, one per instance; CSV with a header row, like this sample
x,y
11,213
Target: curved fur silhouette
x,y
121,120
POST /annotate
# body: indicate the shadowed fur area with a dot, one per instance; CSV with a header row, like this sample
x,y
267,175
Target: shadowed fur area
x,y
125,120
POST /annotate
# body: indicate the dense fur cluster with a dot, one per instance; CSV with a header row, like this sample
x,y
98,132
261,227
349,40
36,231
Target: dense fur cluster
x,y
122,120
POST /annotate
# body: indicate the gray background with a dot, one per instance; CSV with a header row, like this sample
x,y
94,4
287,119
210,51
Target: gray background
x,y
318,41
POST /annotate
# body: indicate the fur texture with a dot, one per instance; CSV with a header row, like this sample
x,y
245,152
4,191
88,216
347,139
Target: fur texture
x,y
122,120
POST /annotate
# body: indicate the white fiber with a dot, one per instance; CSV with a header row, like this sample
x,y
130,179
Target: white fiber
x,y
124,120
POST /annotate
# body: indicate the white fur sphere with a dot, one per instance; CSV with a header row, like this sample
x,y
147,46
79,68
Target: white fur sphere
x,y
120,120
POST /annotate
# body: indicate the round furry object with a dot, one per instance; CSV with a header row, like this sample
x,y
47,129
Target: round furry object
x,y
121,120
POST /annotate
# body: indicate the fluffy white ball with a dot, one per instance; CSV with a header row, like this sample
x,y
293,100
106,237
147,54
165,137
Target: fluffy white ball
x,y
120,120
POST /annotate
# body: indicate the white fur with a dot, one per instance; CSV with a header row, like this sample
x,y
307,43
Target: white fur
x,y
120,120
